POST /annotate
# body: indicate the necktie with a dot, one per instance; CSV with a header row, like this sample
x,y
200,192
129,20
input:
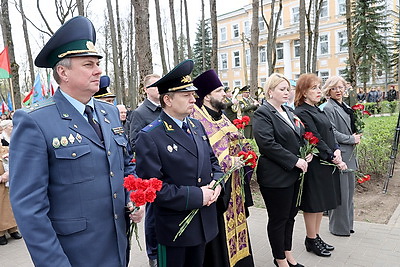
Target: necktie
x,y
185,128
92,122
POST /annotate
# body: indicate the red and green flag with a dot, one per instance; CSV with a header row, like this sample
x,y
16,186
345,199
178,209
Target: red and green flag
x,y
27,100
5,69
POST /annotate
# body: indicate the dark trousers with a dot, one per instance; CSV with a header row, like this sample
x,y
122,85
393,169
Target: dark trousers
x,y
281,208
150,232
181,256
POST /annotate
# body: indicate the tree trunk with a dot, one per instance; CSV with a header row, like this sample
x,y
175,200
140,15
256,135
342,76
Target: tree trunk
x,y
272,27
81,8
203,36
117,83
142,38
28,46
160,37
8,41
214,35
246,79
189,48
181,49
318,6
121,98
350,46
254,48
302,30
130,58
174,38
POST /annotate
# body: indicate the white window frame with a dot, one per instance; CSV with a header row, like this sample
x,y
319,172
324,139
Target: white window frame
x,y
341,74
225,84
295,15
237,83
262,82
323,43
341,7
280,23
234,58
261,24
223,35
248,58
296,48
247,28
235,31
341,48
279,49
325,76
224,61
324,12
262,54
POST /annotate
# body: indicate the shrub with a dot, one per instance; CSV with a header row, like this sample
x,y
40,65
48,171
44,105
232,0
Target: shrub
x,y
376,144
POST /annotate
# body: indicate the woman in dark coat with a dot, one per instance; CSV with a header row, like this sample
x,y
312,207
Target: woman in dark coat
x,y
278,134
321,189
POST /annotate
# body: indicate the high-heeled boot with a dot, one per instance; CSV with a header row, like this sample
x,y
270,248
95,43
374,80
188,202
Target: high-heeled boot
x,y
313,244
325,245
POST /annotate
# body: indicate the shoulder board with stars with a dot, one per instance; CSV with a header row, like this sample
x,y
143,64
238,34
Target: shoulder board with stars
x,y
152,125
47,102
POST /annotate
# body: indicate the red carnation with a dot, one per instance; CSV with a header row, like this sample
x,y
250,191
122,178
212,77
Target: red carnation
x,y
366,112
358,107
138,197
308,135
155,184
130,182
150,194
142,184
133,160
246,120
313,140
367,177
236,121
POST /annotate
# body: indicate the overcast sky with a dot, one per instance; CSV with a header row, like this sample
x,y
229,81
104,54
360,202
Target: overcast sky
x,y
97,9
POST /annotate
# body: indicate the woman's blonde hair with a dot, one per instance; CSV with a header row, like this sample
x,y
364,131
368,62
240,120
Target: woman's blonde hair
x,y
333,81
273,80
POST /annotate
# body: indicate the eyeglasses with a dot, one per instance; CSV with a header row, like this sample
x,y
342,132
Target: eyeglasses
x,y
337,88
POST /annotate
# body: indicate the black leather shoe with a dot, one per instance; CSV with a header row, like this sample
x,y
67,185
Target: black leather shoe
x,y
325,245
16,235
313,244
3,240
352,231
295,265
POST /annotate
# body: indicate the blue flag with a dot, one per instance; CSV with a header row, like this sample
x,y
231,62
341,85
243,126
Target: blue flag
x,y
37,90
9,102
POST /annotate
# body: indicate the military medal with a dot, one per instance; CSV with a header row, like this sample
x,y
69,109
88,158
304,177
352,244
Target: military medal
x,y
64,141
106,120
175,147
71,138
78,138
169,148
204,137
103,111
56,142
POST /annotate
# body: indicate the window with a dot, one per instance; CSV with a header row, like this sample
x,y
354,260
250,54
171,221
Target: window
x,y
280,19
262,82
341,7
261,24
295,15
279,51
224,61
323,44
262,55
237,84
222,33
236,59
247,57
324,9
247,28
296,44
225,84
342,41
342,72
324,75
235,30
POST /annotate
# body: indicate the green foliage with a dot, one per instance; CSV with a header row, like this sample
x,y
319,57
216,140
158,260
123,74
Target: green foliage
x,y
370,49
376,143
198,50
383,107
395,48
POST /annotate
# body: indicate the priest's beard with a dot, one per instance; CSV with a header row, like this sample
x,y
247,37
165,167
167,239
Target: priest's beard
x,y
218,105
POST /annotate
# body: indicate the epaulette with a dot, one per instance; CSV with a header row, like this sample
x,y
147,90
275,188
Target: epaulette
x,y
47,102
152,126
102,102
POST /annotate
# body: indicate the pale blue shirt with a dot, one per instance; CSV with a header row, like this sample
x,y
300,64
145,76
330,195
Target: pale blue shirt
x,y
178,122
79,106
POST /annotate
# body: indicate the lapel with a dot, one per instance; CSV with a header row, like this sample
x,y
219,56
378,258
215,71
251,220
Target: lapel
x,y
104,121
76,120
173,131
199,138
339,110
295,128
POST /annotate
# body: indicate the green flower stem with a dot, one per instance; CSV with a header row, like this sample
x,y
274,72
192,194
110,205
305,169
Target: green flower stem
x,y
133,228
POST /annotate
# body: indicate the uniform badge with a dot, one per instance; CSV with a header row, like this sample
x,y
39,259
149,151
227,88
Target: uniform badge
x,y
64,141
169,148
118,130
78,138
175,147
106,120
204,137
65,115
75,126
103,111
56,142
71,138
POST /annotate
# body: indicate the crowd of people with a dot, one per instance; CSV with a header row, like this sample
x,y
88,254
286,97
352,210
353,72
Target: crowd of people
x,y
76,148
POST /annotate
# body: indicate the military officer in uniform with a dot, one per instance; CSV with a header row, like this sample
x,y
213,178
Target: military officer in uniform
x,y
68,158
176,149
247,106
104,93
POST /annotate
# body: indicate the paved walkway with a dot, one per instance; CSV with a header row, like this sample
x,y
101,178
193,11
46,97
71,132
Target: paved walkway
x,y
371,245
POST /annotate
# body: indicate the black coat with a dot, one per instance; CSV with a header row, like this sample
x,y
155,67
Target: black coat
x,y
140,118
279,145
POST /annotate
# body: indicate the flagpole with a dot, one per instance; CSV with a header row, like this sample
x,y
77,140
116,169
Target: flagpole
x,y
12,93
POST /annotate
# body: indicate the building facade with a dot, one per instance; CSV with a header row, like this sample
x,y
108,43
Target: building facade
x,y
332,53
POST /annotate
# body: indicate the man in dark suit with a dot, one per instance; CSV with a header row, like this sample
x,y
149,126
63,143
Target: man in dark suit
x,y
176,149
68,158
146,113
247,106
